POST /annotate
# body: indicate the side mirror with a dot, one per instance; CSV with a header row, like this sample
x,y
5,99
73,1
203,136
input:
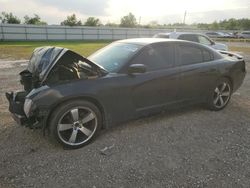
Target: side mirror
x,y
136,68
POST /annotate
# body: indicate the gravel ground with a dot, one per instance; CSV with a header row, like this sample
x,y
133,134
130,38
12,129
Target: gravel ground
x,y
189,147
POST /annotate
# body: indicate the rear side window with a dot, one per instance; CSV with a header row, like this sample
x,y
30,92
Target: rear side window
x,y
190,54
188,37
156,57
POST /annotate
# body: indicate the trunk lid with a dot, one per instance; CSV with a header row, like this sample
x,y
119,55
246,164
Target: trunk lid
x,y
231,54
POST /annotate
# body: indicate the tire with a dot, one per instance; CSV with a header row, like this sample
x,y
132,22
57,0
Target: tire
x,y
220,95
75,124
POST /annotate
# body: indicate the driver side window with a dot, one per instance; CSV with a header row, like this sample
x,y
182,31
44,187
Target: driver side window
x,y
156,57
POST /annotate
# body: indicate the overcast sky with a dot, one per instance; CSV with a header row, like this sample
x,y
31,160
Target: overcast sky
x,y
162,11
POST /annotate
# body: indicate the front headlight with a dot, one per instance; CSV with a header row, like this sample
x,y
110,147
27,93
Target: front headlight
x,y
27,107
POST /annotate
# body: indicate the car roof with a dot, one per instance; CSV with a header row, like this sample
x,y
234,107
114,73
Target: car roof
x,y
146,41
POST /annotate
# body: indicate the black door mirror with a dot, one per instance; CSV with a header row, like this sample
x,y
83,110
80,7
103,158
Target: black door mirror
x,y
136,68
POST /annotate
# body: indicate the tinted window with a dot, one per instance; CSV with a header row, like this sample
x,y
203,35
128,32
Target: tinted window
x,y
189,54
115,55
188,37
156,57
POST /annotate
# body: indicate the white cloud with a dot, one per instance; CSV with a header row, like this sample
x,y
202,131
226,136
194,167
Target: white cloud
x,y
163,11
170,11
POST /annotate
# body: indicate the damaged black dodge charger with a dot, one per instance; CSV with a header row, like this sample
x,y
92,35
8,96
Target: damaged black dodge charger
x,y
73,97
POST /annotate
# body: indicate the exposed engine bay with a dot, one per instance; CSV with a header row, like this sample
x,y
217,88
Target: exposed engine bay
x,y
70,66
49,66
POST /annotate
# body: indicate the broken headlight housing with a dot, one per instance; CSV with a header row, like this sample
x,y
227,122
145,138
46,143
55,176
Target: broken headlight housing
x,y
28,106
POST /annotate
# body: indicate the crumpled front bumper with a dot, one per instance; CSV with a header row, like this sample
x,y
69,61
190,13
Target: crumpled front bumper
x,y
16,104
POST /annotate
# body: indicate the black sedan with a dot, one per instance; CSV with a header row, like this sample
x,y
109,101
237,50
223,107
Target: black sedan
x,y
73,97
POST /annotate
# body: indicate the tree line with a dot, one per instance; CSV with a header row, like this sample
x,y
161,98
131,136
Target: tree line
x,y
128,21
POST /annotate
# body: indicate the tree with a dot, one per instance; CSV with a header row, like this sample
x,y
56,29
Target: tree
x,y
244,23
110,24
203,25
36,20
153,24
230,24
215,25
92,21
71,21
128,21
9,18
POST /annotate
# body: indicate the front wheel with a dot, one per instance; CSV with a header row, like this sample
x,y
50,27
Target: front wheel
x,y
220,95
75,123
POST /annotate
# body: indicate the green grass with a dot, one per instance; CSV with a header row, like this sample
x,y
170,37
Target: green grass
x,y
244,49
23,50
231,40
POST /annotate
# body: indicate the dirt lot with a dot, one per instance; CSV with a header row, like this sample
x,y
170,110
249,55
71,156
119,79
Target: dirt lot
x,y
190,147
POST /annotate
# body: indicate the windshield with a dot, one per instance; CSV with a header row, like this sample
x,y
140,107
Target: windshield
x,y
115,55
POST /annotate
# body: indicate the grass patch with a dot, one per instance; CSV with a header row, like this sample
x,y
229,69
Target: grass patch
x,y
243,49
23,50
230,40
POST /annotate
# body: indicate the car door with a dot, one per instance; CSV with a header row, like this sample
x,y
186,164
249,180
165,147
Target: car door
x,y
157,86
197,71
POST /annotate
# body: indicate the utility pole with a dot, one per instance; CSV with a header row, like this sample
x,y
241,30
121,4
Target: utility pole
x,y
184,19
138,26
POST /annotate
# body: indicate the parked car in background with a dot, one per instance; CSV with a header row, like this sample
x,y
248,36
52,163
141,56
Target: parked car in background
x,y
221,34
216,34
244,35
229,35
194,37
74,97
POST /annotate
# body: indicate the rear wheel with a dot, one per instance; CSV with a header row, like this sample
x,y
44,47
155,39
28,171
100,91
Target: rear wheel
x,y
221,95
75,123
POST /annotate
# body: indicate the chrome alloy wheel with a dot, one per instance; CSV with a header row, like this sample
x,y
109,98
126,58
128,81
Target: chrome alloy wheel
x,y
221,95
77,126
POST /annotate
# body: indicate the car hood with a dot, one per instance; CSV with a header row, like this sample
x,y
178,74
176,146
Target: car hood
x,y
43,59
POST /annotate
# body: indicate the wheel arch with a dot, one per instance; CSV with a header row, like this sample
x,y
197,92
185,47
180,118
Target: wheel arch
x,y
87,98
230,80
219,79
